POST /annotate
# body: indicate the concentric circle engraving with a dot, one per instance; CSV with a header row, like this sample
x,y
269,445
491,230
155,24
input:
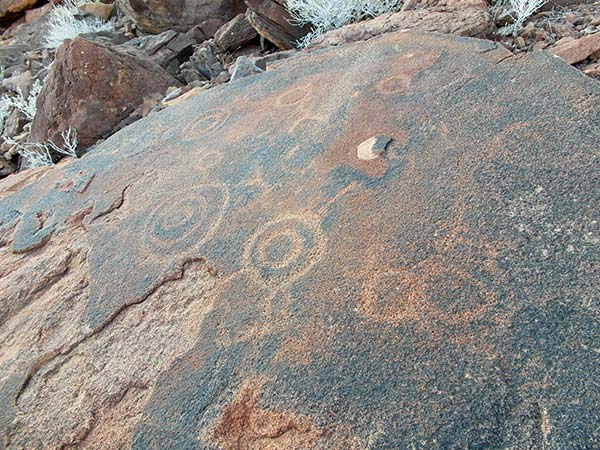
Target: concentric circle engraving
x,y
283,249
179,222
205,124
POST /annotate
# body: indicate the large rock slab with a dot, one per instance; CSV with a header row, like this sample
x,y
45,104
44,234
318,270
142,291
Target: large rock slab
x,y
390,244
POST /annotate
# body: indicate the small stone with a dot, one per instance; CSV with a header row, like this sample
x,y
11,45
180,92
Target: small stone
x,y
564,40
589,30
223,77
528,31
571,18
373,147
99,10
189,94
266,61
18,82
243,67
156,16
204,63
577,50
592,70
172,93
7,168
33,15
235,34
520,42
541,35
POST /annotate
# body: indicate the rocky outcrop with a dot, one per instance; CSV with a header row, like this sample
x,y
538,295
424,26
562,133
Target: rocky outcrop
x,y
389,244
235,34
464,20
273,22
92,88
203,65
577,50
169,49
156,16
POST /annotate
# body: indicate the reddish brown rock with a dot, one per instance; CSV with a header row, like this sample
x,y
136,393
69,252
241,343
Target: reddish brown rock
x,y
32,15
273,22
469,21
6,167
91,88
97,9
156,16
419,4
592,70
235,34
9,8
244,425
576,50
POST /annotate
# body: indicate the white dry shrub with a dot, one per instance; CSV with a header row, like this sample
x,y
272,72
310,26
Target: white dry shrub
x,y
26,105
69,147
38,154
519,11
64,23
5,109
326,15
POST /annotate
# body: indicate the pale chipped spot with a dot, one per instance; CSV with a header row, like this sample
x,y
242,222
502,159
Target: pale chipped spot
x,y
545,423
373,147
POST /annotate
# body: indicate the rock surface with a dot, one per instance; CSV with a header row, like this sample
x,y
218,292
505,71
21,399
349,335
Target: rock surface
x,y
92,88
274,290
156,16
471,21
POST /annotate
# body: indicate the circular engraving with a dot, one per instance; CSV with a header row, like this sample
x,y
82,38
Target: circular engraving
x,y
293,96
283,249
394,296
449,296
180,222
207,159
207,123
458,297
397,84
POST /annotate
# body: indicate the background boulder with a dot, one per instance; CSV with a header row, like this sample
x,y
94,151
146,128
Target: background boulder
x,y
92,88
